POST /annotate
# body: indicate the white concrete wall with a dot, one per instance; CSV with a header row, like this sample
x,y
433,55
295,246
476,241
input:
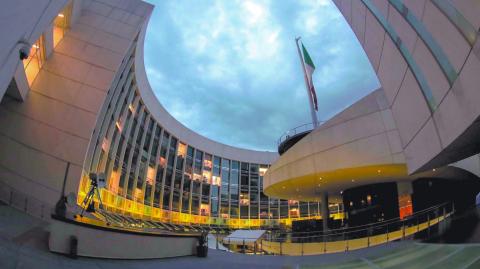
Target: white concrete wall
x,y
54,124
429,139
93,242
362,135
22,20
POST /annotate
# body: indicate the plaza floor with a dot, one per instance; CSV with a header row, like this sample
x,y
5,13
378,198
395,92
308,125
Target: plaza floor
x,y
23,244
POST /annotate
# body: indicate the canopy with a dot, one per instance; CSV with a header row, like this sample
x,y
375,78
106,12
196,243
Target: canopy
x,y
247,237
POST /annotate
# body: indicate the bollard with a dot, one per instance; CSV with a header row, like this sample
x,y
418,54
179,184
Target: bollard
x,y
73,247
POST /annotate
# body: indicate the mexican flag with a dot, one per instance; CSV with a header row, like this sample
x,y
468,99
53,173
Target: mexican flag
x,y
310,68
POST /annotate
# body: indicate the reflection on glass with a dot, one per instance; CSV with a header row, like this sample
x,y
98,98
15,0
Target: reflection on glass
x,y
61,24
35,60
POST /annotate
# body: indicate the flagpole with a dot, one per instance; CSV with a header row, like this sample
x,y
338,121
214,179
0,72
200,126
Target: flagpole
x,y
312,110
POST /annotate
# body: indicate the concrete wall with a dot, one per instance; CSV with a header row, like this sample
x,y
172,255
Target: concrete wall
x,y
362,135
430,138
54,124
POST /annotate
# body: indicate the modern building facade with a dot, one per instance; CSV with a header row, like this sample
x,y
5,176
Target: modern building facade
x,y
421,125
81,103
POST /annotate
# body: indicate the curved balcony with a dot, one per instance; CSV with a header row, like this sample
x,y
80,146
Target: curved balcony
x,y
292,136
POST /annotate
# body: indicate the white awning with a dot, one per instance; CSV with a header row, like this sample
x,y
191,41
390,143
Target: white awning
x,y
247,237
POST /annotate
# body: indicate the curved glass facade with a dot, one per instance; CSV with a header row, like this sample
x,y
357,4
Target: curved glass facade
x,y
152,174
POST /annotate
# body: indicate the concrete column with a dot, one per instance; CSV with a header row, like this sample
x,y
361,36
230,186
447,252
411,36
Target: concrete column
x,y
324,209
48,40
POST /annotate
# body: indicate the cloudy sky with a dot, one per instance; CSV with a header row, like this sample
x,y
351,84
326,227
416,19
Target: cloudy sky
x,y
229,69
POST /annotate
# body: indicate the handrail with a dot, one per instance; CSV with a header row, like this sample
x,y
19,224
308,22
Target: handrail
x,y
376,224
343,240
297,130
363,229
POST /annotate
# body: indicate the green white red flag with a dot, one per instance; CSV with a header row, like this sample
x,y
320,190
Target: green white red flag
x,y
310,68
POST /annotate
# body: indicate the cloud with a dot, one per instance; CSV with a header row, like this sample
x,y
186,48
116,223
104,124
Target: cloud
x,y
230,70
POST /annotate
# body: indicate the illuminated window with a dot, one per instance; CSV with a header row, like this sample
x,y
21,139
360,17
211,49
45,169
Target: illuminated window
x,y
207,163
204,209
61,24
119,125
263,170
294,213
105,144
244,199
113,182
150,175
216,180
182,150
35,60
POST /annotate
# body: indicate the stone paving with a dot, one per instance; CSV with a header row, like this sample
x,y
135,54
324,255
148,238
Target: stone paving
x,y
23,244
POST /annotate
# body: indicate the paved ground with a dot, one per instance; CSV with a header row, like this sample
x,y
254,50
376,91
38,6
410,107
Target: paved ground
x,y
23,245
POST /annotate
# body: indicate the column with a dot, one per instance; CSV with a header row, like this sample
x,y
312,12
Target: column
x,y
324,210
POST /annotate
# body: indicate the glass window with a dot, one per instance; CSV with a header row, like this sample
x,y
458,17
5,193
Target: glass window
x,y
303,209
189,163
61,23
186,195
207,169
35,60
216,179
197,168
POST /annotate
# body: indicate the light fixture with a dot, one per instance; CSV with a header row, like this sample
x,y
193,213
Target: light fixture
x,y
320,178
341,192
434,169
379,171
353,180
61,15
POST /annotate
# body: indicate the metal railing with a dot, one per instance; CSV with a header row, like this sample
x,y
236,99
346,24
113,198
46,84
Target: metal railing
x,y
24,202
345,239
297,130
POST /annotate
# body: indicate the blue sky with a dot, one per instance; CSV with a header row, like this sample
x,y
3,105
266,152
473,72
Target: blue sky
x,y
229,69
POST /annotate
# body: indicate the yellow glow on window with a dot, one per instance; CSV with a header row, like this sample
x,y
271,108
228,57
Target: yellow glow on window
x,y
61,24
207,176
204,209
113,182
119,126
35,60
130,106
182,150
162,161
216,180
150,175
262,171
105,144
207,164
